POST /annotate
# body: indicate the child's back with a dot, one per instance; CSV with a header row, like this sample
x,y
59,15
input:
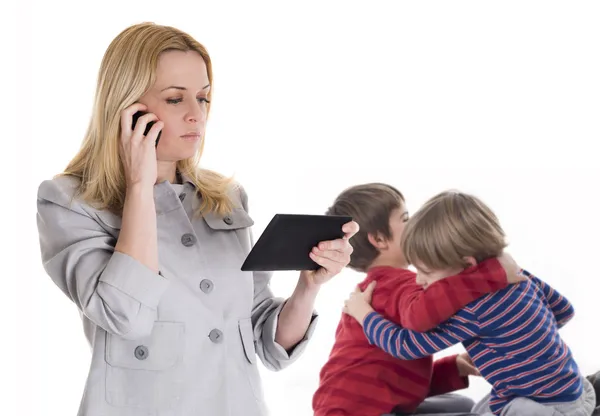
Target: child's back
x,y
519,350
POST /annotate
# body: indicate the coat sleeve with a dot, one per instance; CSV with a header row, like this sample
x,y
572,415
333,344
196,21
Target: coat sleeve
x,y
265,316
112,289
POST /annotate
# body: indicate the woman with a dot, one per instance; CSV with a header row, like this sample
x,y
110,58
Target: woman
x,y
149,247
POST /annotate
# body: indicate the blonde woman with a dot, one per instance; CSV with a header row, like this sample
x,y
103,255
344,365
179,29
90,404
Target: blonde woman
x,y
149,246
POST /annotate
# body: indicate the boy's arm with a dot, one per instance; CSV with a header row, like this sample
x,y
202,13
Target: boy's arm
x,y
409,345
422,310
446,377
560,306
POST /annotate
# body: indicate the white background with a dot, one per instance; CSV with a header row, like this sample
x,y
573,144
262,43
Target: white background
x,y
500,99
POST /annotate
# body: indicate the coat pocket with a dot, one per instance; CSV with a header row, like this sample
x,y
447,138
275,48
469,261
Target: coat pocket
x,y
146,373
247,337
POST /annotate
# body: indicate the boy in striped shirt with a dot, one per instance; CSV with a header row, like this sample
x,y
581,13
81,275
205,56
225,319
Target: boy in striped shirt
x,y
362,380
511,335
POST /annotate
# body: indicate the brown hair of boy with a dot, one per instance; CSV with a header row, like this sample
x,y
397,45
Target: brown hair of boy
x,y
450,227
370,205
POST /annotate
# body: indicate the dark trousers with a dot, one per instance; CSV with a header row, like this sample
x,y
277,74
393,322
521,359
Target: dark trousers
x,y
443,405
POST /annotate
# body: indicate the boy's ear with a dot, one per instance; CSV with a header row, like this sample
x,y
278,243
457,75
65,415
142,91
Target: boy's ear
x,y
470,261
377,241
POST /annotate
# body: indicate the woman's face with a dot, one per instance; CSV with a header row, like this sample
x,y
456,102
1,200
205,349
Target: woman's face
x,y
179,99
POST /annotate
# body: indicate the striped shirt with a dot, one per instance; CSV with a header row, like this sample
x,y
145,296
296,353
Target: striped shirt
x,y
359,379
511,336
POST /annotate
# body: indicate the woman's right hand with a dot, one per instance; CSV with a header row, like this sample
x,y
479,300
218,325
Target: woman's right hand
x,y
138,152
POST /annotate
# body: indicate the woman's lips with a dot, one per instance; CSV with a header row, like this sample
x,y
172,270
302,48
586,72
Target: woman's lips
x,y
192,137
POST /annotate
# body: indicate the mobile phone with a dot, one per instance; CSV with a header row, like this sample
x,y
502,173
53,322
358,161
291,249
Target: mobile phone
x,y
135,118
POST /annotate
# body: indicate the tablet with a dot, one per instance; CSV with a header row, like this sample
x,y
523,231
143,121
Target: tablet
x,y
288,239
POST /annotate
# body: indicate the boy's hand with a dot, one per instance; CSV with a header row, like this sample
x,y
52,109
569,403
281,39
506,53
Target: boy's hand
x,y
358,305
465,366
511,268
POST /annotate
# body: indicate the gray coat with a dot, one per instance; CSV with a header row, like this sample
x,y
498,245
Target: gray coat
x,y
180,343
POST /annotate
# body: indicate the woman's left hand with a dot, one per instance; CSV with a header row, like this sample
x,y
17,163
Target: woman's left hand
x,y
332,256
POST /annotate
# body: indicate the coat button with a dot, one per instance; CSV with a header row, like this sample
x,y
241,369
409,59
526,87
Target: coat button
x,y
182,196
206,286
188,240
141,352
216,336
228,220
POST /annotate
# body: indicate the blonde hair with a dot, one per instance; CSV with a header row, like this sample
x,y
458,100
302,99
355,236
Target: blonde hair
x,y
371,206
127,72
449,227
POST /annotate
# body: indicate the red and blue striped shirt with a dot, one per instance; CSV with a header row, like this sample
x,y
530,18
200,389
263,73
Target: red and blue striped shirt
x,y
511,336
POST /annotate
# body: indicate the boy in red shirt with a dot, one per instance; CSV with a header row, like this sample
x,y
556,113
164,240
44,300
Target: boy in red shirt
x,y
359,379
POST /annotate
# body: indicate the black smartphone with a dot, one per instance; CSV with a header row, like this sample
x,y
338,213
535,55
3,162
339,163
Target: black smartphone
x,y
135,118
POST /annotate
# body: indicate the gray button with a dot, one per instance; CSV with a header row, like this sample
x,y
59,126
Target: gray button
x,y
206,286
182,196
228,220
188,240
216,336
141,352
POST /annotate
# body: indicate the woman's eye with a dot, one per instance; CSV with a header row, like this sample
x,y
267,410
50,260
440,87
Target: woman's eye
x,y
174,101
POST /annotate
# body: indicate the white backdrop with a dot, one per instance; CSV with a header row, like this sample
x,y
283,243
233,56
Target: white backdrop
x,y
500,99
